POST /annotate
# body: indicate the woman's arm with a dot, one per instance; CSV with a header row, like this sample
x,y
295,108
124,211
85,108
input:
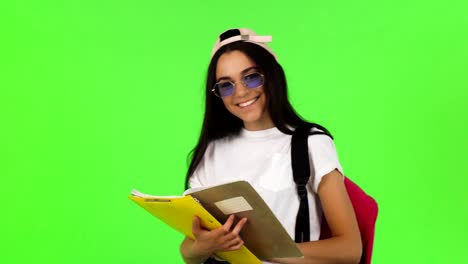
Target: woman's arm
x,y
189,255
207,243
345,244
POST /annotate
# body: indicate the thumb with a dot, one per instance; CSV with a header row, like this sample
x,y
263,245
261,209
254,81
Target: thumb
x,y
196,229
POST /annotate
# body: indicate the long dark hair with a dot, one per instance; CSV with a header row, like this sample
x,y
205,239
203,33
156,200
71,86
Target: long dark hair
x,y
219,122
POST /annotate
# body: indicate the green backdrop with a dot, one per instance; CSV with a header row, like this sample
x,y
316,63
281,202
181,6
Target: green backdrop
x,y
100,97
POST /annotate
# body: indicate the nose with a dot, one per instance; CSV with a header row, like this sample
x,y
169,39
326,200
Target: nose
x,y
240,90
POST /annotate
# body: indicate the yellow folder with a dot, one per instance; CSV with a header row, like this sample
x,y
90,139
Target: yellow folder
x,y
264,236
178,213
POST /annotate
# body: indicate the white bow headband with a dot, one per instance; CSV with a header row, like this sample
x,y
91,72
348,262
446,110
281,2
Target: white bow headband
x,y
246,35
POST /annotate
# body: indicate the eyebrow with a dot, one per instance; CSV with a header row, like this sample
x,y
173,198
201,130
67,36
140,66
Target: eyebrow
x,y
242,72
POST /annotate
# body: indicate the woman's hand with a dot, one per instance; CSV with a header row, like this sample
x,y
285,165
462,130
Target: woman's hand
x,y
225,238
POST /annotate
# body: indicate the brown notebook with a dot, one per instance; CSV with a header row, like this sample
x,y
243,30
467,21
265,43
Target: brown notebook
x,y
263,234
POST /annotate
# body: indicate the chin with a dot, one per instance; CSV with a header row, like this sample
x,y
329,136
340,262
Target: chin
x,y
250,118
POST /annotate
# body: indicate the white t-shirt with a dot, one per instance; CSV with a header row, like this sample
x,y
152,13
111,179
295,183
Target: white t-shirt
x,y
263,158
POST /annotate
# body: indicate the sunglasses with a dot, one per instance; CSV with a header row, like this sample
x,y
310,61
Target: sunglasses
x,y
250,81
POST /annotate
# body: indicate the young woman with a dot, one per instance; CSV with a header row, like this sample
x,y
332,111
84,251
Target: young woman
x,y
246,135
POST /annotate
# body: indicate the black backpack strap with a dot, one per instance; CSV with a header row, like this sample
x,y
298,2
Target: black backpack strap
x,y
301,169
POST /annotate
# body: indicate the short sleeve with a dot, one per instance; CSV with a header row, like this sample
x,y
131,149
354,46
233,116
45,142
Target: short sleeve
x,y
323,156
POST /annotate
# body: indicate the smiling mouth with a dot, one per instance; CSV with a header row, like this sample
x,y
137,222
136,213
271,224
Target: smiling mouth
x,y
250,102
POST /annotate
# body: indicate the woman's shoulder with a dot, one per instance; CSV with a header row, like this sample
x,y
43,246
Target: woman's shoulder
x,y
322,142
321,145
318,133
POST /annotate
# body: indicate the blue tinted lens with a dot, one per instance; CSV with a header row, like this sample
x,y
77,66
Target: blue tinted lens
x,y
253,80
225,88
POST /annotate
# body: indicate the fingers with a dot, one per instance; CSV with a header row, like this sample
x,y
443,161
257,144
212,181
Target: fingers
x,y
225,238
235,244
228,224
239,226
226,228
231,240
230,235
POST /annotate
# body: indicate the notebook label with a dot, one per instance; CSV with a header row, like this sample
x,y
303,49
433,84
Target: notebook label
x,y
233,205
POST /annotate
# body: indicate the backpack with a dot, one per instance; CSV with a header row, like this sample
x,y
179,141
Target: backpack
x,y
365,207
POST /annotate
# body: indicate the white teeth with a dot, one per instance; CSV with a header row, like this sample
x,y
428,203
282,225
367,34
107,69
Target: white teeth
x,y
248,102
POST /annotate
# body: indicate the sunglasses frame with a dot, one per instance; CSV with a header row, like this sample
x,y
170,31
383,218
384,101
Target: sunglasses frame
x,y
234,84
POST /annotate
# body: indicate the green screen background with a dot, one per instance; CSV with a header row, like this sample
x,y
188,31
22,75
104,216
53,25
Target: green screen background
x,y
100,97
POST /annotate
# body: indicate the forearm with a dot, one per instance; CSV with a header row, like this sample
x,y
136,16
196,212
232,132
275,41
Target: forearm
x,y
336,250
189,255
